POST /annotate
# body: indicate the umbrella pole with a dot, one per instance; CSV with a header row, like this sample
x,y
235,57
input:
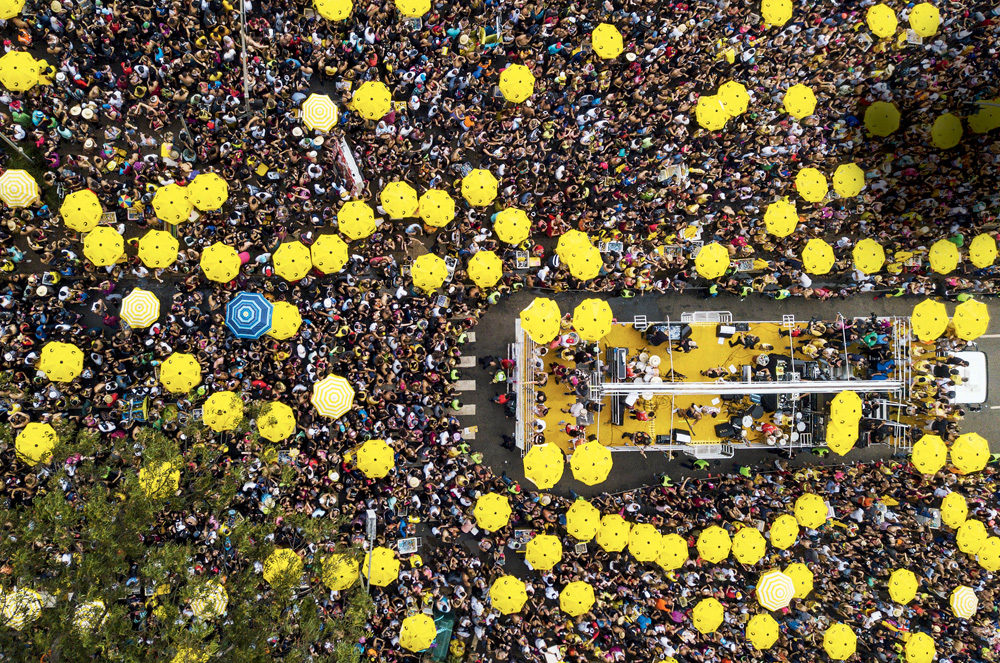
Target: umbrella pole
x,y
17,149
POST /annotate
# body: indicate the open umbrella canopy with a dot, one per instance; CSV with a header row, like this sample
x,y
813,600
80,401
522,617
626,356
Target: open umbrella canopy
x,y
881,21
644,542
223,411
964,602
319,113
799,101
10,9
180,373
399,200
140,308
811,511
572,241
19,71
774,590
103,246
607,41
517,83
356,220
544,465
209,600
160,480
576,598
989,554
944,256
946,132
987,118
784,531
479,187
801,577
848,180
158,249
417,632
334,10
749,545
776,12
35,442
714,544
332,396
954,510
971,536
712,261
925,19
208,192
971,319
882,118
512,225
20,608
869,256
839,642
585,264
613,533
492,511
292,260
375,459
711,113
89,616
61,362
929,320
220,263
818,257
380,567
508,595
249,315
276,421
708,615
593,319
485,269
81,211
920,648
812,185
847,403
970,453
18,188
583,520
591,463
780,218
543,552
929,454
329,254
429,272
372,100
340,572
903,586
734,97
413,9
673,552
436,208
171,204
983,250
285,321
541,320
762,631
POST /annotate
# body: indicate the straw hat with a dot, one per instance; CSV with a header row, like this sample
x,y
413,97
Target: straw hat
x,y
87,113
296,131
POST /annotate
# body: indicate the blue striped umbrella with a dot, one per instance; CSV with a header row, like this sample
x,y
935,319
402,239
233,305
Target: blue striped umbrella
x,y
248,315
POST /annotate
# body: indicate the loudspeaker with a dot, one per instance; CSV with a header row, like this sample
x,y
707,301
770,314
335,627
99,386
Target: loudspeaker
x,y
724,431
725,331
681,437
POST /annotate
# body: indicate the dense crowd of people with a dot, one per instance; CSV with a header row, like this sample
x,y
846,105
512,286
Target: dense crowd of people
x,y
148,92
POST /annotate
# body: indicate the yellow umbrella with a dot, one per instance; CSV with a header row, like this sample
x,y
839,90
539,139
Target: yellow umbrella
x,y
571,242
180,373
333,396
607,41
223,411
160,479
10,9
479,187
328,253
711,113
417,632
89,616
20,608
19,72
220,263
340,572
817,257
882,118
158,249
946,132
714,544
925,19
512,226
903,586
954,510
839,642
776,12
929,454
35,442
929,320
508,595
811,185
375,459
644,542
944,256
283,567
712,261
592,319
492,511
882,21
847,403
103,246
429,272
583,520
920,649
544,465
585,264
848,180
576,598
372,100
171,204
140,308
800,102
971,536
81,211
774,590
749,546
780,218
734,98
334,10
841,438
208,192
987,118
285,321
673,552
413,9
399,200
61,362
436,208
869,256
810,511
517,83
762,631
971,319
485,269
784,532
319,113
614,532
708,615
380,567
970,453
983,250
964,602
541,320
292,261
356,220
989,554
276,421
802,577
543,552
